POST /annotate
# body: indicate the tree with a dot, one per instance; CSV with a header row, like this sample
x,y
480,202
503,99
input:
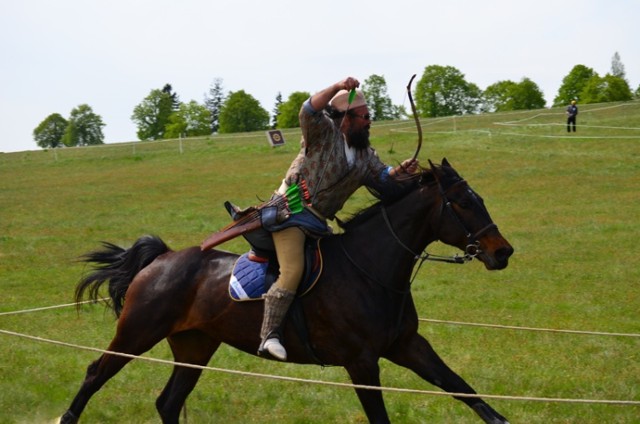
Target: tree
x,y
84,128
609,88
508,95
213,101
152,115
49,132
499,97
573,84
379,102
276,111
617,68
527,95
289,110
242,112
592,90
443,91
616,89
191,120
175,99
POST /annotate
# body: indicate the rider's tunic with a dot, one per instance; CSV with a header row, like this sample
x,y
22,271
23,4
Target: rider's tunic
x,y
332,171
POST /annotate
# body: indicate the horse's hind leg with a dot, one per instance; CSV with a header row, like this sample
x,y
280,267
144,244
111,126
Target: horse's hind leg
x,y
131,338
97,375
415,353
192,347
100,371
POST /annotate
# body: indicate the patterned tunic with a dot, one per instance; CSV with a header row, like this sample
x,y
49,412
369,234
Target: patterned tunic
x,y
324,164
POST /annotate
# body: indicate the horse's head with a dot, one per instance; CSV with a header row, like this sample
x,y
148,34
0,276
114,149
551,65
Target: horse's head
x,y
464,221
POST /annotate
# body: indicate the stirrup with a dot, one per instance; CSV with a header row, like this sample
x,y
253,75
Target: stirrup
x,y
273,348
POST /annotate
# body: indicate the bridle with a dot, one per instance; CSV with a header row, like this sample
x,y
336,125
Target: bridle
x,y
472,249
473,245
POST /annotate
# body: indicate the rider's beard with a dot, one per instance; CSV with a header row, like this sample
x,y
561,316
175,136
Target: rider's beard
x,y
359,138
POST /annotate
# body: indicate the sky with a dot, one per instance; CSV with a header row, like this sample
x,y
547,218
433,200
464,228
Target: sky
x,y
57,55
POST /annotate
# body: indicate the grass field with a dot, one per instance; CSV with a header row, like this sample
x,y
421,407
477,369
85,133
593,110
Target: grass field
x,y
569,204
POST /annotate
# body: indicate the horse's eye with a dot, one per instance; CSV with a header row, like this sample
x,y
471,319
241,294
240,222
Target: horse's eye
x,y
465,203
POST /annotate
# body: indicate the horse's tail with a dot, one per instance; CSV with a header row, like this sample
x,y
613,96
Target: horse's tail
x,y
118,266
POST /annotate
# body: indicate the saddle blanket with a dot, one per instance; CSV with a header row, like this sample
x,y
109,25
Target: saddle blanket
x,y
250,272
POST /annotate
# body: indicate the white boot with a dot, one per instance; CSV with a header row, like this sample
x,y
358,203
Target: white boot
x,y
275,349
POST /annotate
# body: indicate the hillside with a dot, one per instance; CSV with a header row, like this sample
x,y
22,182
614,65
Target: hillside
x,y
568,203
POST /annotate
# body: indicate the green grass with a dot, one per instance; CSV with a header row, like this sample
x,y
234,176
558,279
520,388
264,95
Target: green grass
x,y
569,204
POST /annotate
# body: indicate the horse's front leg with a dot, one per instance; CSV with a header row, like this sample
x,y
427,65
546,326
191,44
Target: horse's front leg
x,y
415,353
367,373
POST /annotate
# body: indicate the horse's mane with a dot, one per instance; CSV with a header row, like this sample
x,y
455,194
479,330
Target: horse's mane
x,y
409,185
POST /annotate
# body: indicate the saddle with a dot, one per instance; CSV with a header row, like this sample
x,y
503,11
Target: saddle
x,y
254,274
256,271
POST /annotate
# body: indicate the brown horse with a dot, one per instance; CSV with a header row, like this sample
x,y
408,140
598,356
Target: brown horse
x,y
361,310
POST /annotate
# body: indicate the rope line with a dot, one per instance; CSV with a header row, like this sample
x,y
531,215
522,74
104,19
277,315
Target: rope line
x,y
326,383
559,124
46,308
561,112
521,122
586,137
514,327
431,320
503,133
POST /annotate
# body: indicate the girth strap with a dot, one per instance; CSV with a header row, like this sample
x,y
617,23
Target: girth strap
x,y
299,321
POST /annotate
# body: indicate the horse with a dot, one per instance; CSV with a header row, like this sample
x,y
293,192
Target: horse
x,y
359,311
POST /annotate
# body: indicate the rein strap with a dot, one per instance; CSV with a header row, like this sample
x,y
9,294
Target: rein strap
x,y
425,256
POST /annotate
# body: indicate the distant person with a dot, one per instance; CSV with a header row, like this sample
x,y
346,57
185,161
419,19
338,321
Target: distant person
x,y
572,112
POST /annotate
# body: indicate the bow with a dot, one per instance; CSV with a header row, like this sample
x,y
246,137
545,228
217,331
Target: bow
x,y
415,116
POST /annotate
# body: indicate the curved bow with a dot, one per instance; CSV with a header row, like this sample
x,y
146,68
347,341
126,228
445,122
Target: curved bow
x,y
415,116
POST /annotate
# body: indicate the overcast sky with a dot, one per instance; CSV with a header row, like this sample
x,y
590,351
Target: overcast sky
x,y
59,54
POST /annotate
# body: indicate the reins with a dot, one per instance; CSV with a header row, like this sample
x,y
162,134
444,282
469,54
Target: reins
x,y
471,251
368,274
421,258
424,256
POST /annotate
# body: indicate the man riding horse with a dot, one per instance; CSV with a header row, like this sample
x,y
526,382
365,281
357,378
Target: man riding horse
x,y
335,159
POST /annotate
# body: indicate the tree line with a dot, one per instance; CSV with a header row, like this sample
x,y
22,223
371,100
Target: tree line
x,y
441,91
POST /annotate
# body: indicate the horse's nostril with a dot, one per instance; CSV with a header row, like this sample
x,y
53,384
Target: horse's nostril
x,y
503,253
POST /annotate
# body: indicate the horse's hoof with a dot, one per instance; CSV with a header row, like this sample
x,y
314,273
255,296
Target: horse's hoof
x,y
67,418
488,414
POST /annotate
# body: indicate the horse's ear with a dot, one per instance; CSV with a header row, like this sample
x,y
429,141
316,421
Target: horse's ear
x,y
434,171
448,170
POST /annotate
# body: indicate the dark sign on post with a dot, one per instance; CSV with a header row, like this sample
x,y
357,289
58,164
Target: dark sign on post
x,y
275,138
